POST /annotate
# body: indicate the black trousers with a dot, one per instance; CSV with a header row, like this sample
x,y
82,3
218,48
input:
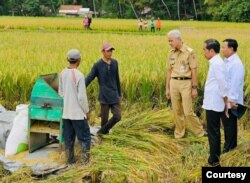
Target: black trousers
x,y
79,128
230,131
214,138
106,123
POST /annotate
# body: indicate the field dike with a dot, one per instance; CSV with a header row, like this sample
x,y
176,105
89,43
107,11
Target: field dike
x,y
141,148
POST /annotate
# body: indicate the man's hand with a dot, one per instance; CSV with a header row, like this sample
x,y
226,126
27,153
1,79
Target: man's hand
x,y
226,111
226,106
194,93
168,94
233,105
88,116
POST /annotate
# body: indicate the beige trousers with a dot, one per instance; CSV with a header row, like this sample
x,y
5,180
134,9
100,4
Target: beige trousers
x,y
181,99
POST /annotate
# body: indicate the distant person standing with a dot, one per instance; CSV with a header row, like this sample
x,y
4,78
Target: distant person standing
x,y
86,22
158,24
145,22
89,22
140,22
75,108
107,72
152,25
235,81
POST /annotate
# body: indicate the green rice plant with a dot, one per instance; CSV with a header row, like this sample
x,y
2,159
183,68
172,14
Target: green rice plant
x,y
142,63
115,25
30,52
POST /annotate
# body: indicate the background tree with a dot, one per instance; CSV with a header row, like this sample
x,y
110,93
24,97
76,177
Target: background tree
x,y
219,10
233,10
169,14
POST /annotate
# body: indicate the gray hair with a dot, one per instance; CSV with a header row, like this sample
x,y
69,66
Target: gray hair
x,y
175,33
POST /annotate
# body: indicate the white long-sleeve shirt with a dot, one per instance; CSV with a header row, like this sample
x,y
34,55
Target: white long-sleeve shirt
x,y
235,78
216,86
73,90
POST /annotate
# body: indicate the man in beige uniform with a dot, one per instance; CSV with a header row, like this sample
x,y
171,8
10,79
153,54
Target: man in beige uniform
x,y
181,85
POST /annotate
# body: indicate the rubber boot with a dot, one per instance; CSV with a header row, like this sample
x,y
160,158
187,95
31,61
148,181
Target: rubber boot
x,y
70,155
85,153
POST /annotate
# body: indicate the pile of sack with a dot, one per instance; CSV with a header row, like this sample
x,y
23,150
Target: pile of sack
x,y
14,129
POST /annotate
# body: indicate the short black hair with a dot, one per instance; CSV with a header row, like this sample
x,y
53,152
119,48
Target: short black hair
x,y
213,44
232,43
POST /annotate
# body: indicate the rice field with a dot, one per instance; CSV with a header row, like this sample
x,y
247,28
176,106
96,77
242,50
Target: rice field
x,y
28,51
30,47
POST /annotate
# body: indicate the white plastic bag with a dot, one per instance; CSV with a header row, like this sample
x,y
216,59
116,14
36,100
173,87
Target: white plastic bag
x,y
21,107
2,109
6,123
18,138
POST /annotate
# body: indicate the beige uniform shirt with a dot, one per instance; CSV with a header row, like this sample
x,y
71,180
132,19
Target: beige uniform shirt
x,y
180,62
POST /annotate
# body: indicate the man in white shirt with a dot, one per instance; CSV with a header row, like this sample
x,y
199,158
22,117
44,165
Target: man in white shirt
x,y
75,108
215,96
235,81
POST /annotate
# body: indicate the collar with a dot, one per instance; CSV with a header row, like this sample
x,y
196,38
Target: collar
x,y
231,58
215,57
182,49
107,62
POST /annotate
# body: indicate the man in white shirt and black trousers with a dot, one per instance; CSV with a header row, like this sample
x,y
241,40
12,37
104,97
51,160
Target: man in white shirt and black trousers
x,y
235,82
215,98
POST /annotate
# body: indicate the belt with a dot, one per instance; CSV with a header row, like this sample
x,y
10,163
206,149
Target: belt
x,y
180,78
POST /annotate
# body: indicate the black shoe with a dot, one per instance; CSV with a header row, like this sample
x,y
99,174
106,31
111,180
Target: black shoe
x,y
224,151
85,158
214,164
102,132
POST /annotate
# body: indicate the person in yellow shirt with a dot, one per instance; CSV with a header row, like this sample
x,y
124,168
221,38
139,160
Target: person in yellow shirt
x,y
181,85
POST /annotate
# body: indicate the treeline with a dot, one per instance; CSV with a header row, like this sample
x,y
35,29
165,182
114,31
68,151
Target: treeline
x,y
219,10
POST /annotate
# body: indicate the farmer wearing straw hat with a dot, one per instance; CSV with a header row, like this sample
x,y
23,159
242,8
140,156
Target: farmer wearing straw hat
x,y
106,70
181,85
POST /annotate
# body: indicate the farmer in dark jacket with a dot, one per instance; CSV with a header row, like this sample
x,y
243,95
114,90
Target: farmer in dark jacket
x,y
106,70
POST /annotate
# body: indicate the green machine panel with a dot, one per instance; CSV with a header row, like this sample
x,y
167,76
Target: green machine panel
x,y
45,113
